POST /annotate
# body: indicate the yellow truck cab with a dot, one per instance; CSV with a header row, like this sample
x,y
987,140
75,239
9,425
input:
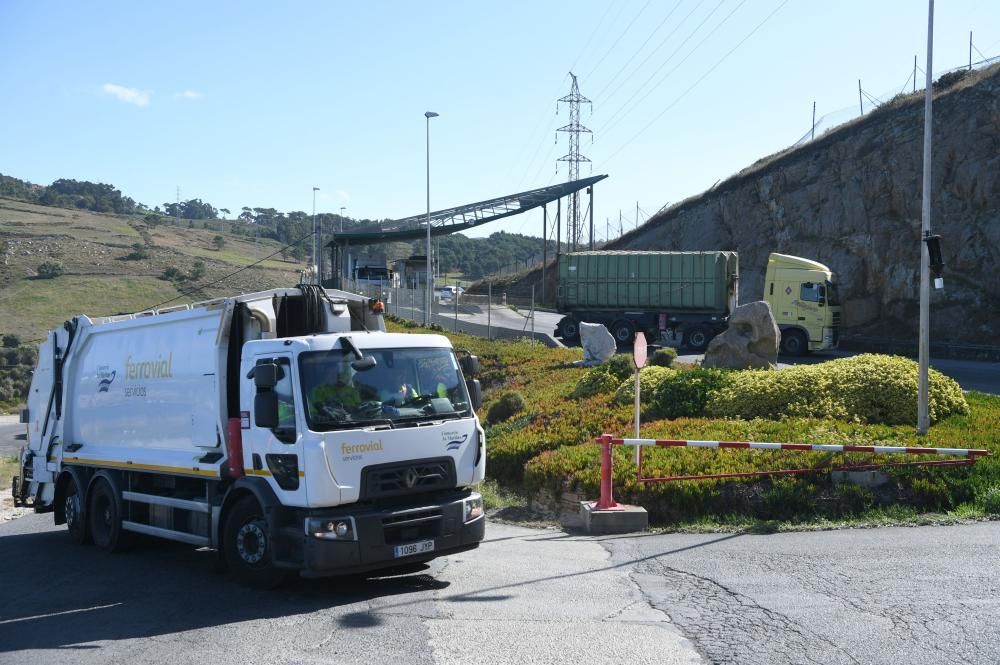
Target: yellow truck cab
x,y
804,299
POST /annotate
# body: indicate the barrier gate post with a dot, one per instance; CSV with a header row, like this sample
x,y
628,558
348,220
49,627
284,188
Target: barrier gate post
x,y
607,499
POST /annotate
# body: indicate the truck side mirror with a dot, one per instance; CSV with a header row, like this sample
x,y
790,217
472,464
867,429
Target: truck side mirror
x,y
265,375
475,393
363,364
469,365
265,409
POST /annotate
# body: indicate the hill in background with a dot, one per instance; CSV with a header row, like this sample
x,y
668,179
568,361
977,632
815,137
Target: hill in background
x,y
59,262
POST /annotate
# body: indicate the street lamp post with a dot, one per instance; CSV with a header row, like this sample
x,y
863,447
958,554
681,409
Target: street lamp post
x,y
430,277
316,242
342,209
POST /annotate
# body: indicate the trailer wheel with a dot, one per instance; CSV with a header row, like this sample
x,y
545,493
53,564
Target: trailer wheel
x,y
697,338
105,518
623,332
794,343
247,548
76,518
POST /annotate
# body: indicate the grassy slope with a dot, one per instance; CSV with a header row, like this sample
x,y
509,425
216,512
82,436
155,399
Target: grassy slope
x,y
98,280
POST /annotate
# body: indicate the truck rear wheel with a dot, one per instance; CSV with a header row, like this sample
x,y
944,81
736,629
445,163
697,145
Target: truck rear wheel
x,y
105,518
794,343
247,547
623,332
697,338
76,519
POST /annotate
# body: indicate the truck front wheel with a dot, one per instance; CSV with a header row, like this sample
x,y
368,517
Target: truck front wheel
x,y
794,343
75,517
247,546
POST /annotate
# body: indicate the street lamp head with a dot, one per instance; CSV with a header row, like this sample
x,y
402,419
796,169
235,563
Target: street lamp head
x,y
430,114
315,189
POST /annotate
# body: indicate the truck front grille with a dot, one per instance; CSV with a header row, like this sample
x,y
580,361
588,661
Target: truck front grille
x,y
390,480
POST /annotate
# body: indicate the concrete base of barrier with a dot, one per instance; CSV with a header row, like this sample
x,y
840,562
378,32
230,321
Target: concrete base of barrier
x,y
622,519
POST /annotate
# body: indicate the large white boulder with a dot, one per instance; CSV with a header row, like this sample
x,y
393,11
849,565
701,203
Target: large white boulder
x,y
598,344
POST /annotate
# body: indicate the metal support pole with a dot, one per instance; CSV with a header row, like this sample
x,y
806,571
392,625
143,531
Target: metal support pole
x,y
861,104
923,419
558,228
813,137
914,73
545,244
590,190
455,297
489,311
532,313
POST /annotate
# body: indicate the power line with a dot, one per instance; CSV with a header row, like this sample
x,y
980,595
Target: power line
x,y
639,50
612,47
651,53
598,26
696,83
605,128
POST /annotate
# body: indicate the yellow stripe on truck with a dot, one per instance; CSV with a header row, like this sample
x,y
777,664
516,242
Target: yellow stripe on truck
x,y
132,466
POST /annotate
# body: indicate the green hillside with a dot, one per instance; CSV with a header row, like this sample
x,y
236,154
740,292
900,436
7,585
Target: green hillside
x,y
113,264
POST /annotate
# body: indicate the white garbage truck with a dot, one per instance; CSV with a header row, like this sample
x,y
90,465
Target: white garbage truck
x,y
286,429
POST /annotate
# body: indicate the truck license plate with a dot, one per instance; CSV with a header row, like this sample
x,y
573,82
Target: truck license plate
x,y
414,548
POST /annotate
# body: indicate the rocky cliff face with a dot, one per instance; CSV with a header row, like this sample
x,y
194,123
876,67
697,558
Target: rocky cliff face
x,y
852,199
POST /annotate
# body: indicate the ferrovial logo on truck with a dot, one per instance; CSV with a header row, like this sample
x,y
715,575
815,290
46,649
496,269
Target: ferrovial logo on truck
x,y
354,452
161,368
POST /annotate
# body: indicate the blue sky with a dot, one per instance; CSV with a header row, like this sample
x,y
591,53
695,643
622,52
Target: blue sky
x,y
255,103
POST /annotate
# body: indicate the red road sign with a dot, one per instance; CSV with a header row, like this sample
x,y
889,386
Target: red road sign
x,y
639,350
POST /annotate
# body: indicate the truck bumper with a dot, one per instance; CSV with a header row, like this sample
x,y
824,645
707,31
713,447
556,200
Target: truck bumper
x,y
378,533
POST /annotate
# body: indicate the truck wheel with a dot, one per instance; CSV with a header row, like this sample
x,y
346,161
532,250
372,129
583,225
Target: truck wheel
x,y
697,338
76,519
105,518
247,548
623,332
570,331
794,343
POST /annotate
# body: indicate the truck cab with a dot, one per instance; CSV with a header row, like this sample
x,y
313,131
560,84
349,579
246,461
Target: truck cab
x,y
805,302
367,441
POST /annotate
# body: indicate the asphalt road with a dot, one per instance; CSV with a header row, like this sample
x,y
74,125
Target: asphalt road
x,y
525,596
923,595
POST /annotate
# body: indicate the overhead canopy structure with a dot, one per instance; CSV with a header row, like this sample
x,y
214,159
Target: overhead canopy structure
x,y
461,218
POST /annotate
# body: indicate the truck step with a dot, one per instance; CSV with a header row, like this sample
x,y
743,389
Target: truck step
x,y
169,534
171,502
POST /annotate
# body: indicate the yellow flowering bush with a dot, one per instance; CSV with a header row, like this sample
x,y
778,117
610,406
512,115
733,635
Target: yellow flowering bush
x,y
649,378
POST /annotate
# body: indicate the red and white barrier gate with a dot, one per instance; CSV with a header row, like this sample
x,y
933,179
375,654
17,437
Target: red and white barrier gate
x,y
606,441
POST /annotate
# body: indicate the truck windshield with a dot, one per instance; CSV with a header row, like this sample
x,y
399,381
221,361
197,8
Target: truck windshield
x,y
832,296
405,387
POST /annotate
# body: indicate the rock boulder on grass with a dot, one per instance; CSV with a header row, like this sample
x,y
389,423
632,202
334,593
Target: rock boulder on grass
x,y
750,342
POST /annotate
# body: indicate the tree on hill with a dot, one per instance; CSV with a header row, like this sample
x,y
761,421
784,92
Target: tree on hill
x,y
98,197
193,209
219,242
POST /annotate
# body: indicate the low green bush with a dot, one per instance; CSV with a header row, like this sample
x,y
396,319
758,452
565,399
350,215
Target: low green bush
x,y
510,404
663,357
649,379
686,392
621,366
866,388
595,382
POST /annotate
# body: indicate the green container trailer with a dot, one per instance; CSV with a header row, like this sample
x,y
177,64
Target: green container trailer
x,y
697,282
685,292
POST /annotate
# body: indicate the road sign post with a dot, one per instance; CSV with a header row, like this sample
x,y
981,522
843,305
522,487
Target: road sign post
x,y
639,358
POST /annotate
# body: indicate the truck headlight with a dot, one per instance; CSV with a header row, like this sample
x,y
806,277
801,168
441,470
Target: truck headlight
x,y
473,508
331,528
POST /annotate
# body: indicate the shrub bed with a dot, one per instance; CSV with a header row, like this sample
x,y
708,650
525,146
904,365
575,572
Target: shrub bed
x,y
867,388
